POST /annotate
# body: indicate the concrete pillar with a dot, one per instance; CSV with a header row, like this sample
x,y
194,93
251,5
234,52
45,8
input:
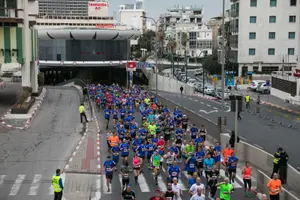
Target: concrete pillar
x,y
34,76
298,63
26,45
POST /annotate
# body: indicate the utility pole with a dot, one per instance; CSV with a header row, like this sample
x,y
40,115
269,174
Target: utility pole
x,y
223,56
186,66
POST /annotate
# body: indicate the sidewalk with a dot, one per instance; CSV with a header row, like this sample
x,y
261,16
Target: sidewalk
x,y
269,100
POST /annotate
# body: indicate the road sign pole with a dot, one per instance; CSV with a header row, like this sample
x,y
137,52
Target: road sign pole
x,y
236,123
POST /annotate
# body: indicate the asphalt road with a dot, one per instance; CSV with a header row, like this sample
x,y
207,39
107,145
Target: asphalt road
x,y
8,97
146,187
260,132
29,158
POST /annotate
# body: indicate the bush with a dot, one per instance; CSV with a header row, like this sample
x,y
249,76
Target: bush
x,y
41,79
25,93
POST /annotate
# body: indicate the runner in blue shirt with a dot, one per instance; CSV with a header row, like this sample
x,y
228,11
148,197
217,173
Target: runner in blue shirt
x,y
142,150
107,112
122,113
207,164
194,130
115,115
115,150
200,155
124,147
136,143
191,164
218,150
174,171
232,164
109,166
150,150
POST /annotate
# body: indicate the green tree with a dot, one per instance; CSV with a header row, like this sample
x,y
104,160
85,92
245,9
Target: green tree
x,y
171,45
211,65
146,40
184,39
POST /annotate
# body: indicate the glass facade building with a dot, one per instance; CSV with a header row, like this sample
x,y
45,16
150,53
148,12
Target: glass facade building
x,y
83,50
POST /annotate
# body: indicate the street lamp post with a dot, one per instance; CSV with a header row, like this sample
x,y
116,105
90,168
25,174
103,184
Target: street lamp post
x,y
202,70
223,56
156,50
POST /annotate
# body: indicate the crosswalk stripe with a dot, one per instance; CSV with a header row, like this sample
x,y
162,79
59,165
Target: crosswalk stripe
x,y
143,184
51,192
2,177
98,188
185,174
105,185
16,186
35,184
120,179
235,184
161,183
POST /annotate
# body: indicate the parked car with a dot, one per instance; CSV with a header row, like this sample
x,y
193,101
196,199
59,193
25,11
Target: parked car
x,y
209,89
198,72
181,75
191,82
218,93
264,88
254,84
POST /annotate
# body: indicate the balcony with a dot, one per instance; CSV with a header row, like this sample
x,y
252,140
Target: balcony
x,y
10,15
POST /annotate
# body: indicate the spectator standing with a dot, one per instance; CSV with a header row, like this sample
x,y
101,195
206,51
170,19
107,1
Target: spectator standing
x,y
274,186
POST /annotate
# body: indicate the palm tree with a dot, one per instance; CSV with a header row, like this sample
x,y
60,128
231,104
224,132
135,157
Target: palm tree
x,y
171,45
184,40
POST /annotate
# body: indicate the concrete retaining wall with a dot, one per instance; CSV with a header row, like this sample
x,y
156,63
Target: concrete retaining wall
x,y
263,160
169,84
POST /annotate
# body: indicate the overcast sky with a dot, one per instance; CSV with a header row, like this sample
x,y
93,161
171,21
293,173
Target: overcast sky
x,y
212,8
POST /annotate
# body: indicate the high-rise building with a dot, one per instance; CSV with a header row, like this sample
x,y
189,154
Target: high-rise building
x,y
132,15
264,35
63,8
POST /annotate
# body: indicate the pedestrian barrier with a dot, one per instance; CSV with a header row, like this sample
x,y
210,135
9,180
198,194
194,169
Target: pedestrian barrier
x,y
262,160
284,118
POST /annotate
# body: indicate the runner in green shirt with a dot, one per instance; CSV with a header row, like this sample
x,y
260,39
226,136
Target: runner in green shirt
x,y
225,189
152,129
155,160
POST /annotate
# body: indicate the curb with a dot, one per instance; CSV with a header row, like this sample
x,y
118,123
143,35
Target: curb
x,y
279,107
204,97
98,147
28,122
76,149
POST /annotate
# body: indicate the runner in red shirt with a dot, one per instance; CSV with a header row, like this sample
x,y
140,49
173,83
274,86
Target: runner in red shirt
x,y
157,195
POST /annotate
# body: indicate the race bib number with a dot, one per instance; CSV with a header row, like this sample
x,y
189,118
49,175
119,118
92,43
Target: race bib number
x,y
108,169
174,173
125,150
192,165
125,175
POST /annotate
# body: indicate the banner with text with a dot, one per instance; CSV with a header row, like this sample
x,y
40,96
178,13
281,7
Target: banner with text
x,y
97,9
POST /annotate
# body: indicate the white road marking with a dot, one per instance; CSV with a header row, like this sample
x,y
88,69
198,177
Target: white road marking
x,y
235,184
161,183
258,146
163,168
98,188
215,108
190,99
201,102
51,192
208,112
196,100
35,184
16,186
208,105
298,167
105,186
120,179
143,184
2,177
185,174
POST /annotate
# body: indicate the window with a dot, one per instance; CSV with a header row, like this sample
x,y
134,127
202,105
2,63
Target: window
x,y
271,51
272,35
252,35
272,19
252,19
293,2
251,52
291,51
292,18
292,35
273,3
253,3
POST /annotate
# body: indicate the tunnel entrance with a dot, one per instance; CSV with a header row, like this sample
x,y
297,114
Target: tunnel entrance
x,y
103,75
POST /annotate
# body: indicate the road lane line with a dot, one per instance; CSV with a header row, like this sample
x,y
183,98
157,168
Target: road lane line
x,y
51,192
120,179
16,186
215,108
185,174
35,184
196,100
98,188
208,105
105,186
201,102
235,184
190,99
143,184
2,177
163,168
161,183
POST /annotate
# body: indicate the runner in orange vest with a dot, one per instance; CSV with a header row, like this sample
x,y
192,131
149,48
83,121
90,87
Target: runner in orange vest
x,y
227,153
113,140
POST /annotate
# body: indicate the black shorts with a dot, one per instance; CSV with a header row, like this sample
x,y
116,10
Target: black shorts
x,y
143,157
125,181
136,168
109,176
124,156
190,173
203,137
115,118
122,116
199,165
230,171
184,126
167,137
149,157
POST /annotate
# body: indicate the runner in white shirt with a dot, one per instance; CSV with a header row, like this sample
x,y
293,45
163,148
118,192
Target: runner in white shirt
x,y
198,184
198,195
177,189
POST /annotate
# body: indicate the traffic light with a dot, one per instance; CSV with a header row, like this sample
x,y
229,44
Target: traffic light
x,y
239,100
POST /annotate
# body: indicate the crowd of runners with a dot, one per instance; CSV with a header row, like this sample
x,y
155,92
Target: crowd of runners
x,y
163,138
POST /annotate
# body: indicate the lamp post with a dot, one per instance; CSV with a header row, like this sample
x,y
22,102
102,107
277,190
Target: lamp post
x,y
223,56
156,50
203,51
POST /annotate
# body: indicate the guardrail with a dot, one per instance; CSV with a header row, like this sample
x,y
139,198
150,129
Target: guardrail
x,y
263,160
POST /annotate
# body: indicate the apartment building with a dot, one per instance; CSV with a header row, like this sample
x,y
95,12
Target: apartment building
x,y
264,35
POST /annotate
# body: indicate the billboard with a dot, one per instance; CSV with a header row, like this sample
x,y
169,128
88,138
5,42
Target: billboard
x,y
97,9
105,26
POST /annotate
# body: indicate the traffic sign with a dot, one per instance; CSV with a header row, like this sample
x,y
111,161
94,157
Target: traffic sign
x,y
131,66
